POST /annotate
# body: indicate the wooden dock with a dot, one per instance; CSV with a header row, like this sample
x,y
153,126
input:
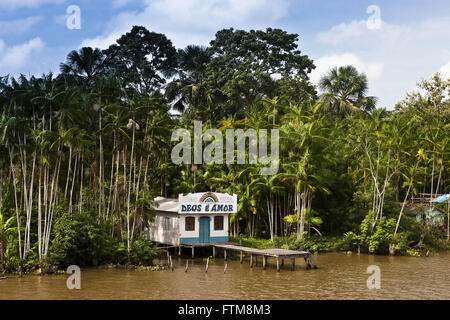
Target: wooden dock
x,y
278,254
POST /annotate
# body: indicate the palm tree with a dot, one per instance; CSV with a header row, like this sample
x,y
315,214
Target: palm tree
x,y
305,132
345,90
185,92
269,186
5,229
84,65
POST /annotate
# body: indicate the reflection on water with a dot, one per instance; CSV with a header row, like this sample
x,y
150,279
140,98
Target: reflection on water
x,y
340,276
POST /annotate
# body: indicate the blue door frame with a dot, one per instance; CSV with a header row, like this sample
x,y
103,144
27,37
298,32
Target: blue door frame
x,y
204,230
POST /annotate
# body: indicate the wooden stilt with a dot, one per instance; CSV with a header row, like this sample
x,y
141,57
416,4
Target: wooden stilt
x,y
278,264
207,265
214,252
308,266
311,261
241,258
264,262
179,251
225,254
187,266
251,260
292,264
192,252
225,269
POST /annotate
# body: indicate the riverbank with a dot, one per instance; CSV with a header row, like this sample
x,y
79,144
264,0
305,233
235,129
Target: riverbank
x,y
36,272
344,243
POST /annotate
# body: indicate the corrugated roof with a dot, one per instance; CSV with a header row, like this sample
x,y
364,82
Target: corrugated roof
x,y
166,204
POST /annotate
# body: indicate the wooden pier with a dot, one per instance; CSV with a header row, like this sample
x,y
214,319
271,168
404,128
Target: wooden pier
x,y
278,254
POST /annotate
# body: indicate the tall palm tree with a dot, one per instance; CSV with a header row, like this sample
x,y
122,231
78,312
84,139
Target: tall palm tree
x,y
345,90
84,65
305,132
185,92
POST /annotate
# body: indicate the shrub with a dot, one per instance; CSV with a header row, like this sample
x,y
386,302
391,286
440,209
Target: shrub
x,y
316,244
350,241
142,251
80,240
379,241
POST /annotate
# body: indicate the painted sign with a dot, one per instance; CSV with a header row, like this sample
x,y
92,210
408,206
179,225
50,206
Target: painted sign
x,y
208,202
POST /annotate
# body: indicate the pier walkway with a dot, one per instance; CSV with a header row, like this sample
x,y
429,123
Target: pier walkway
x,y
278,254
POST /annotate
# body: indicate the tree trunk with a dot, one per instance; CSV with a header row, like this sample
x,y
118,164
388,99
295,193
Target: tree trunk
x,y
401,211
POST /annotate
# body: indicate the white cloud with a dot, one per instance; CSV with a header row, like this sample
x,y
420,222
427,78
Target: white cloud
x,y
119,3
373,70
445,71
394,57
17,4
14,58
194,21
390,35
18,26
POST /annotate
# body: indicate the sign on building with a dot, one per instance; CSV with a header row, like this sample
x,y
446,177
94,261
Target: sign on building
x,y
209,202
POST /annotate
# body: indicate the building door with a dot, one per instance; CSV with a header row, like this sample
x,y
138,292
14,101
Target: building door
x,y
204,230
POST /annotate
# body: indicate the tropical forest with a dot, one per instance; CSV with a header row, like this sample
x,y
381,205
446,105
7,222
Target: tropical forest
x,y
85,150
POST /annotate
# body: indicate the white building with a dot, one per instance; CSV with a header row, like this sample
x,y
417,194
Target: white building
x,y
191,219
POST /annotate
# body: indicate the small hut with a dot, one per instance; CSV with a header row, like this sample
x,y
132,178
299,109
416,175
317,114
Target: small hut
x,y
192,219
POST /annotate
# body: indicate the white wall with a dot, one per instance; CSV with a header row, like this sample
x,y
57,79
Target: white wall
x,y
195,233
172,236
156,230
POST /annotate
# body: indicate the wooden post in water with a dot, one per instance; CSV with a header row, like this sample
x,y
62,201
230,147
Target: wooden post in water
x,y
171,264
278,264
192,251
214,252
264,262
179,251
241,257
225,254
251,260
308,266
225,269
207,264
311,261
292,264
187,266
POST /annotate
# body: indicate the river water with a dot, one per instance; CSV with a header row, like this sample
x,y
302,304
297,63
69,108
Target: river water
x,y
339,276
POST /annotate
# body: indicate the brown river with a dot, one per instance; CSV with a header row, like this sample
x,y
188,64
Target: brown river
x,y
339,276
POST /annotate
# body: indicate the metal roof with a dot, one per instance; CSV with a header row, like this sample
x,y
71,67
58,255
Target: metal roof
x,y
166,204
442,198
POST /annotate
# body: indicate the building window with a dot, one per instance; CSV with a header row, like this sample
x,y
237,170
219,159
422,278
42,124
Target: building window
x,y
218,223
166,223
189,224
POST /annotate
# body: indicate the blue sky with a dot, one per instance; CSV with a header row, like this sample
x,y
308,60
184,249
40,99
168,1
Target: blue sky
x,y
410,42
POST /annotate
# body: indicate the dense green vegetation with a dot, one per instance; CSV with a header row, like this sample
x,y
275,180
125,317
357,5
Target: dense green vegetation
x,y
83,154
